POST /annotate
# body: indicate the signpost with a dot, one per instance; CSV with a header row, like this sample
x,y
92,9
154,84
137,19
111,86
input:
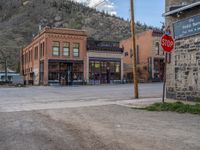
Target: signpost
x,y
167,43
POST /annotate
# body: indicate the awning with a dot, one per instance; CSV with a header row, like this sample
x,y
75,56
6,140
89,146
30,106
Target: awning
x,y
184,8
105,59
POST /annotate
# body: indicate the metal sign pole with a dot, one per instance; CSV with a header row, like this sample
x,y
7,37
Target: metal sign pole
x,y
167,43
164,78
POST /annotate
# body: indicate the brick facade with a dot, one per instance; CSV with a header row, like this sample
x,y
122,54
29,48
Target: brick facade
x,y
148,51
62,56
40,51
183,73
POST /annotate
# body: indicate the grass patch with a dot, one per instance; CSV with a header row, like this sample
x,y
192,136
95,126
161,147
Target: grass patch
x,y
175,107
197,99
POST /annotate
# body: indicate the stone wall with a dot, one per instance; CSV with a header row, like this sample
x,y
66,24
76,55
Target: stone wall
x,y
183,73
185,81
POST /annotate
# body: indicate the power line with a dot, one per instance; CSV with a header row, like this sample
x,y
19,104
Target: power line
x,y
98,4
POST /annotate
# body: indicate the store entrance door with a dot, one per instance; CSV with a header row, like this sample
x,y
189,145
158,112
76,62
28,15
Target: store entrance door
x,y
108,75
69,74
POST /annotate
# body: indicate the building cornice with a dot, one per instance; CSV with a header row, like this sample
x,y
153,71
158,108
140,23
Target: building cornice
x,y
184,8
59,32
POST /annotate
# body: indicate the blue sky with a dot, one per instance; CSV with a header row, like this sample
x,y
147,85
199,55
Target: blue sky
x,y
146,11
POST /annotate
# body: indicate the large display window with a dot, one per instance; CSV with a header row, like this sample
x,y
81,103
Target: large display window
x,y
64,73
103,72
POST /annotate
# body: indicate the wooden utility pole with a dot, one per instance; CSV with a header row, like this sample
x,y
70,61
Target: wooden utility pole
x,y
135,78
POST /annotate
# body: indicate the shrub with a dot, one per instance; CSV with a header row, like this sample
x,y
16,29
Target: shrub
x,y
197,99
175,107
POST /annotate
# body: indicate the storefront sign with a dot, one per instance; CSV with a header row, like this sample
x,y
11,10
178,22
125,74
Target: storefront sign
x,y
104,59
187,27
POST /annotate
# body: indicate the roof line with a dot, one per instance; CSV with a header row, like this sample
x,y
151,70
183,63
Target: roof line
x,y
181,9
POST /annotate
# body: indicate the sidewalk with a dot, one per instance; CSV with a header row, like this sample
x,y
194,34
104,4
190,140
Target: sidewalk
x,y
142,103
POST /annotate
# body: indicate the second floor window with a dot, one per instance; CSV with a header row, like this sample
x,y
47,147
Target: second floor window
x,y
42,50
36,53
66,48
29,56
56,49
137,54
76,47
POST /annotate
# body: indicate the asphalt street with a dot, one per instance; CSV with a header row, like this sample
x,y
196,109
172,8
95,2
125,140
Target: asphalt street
x,y
36,98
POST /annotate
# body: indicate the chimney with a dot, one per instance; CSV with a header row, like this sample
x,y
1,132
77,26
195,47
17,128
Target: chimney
x,y
40,27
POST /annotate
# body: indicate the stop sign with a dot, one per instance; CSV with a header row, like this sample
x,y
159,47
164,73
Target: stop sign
x,y
167,43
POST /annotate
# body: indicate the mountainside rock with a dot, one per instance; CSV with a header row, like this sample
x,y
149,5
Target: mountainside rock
x,y
20,21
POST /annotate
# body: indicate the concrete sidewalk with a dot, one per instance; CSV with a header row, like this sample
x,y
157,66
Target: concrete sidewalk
x,y
75,104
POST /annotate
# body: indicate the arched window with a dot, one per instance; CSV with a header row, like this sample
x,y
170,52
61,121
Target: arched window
x,y
137,54
158,48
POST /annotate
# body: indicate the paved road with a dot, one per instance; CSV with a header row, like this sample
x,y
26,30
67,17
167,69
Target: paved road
x,y
33,98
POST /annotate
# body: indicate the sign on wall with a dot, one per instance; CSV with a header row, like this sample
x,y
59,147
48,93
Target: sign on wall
x,y
187,27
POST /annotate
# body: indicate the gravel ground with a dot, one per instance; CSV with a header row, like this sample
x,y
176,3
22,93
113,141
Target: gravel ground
x,y
110,127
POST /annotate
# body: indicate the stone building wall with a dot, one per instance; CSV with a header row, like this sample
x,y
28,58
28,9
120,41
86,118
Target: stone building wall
x,y
183,73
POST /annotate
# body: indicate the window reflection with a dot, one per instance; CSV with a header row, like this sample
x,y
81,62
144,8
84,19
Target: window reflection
x,y
102,72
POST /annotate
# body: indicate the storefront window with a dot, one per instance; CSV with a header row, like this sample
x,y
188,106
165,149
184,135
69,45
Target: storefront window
x,y
117,69
77,71
97,65
91,70
53,66
104,72
112,66
54,76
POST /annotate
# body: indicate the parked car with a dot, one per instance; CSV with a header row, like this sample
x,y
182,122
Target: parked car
x,y
18,80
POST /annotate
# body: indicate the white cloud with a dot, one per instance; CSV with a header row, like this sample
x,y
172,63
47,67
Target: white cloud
x,y
101,5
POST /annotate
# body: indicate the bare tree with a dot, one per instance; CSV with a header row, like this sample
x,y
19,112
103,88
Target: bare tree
x,y
5,60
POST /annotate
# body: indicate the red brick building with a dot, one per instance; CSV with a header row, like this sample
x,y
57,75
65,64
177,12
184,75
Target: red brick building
x,y
63,57
149,56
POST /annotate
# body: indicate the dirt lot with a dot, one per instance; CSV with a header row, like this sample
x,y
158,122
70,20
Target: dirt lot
x,y
110,127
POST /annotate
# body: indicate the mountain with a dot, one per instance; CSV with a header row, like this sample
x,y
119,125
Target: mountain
x,y
20,21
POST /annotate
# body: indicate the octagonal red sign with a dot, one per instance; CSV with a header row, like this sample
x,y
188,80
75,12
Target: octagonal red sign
x,y
167,43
